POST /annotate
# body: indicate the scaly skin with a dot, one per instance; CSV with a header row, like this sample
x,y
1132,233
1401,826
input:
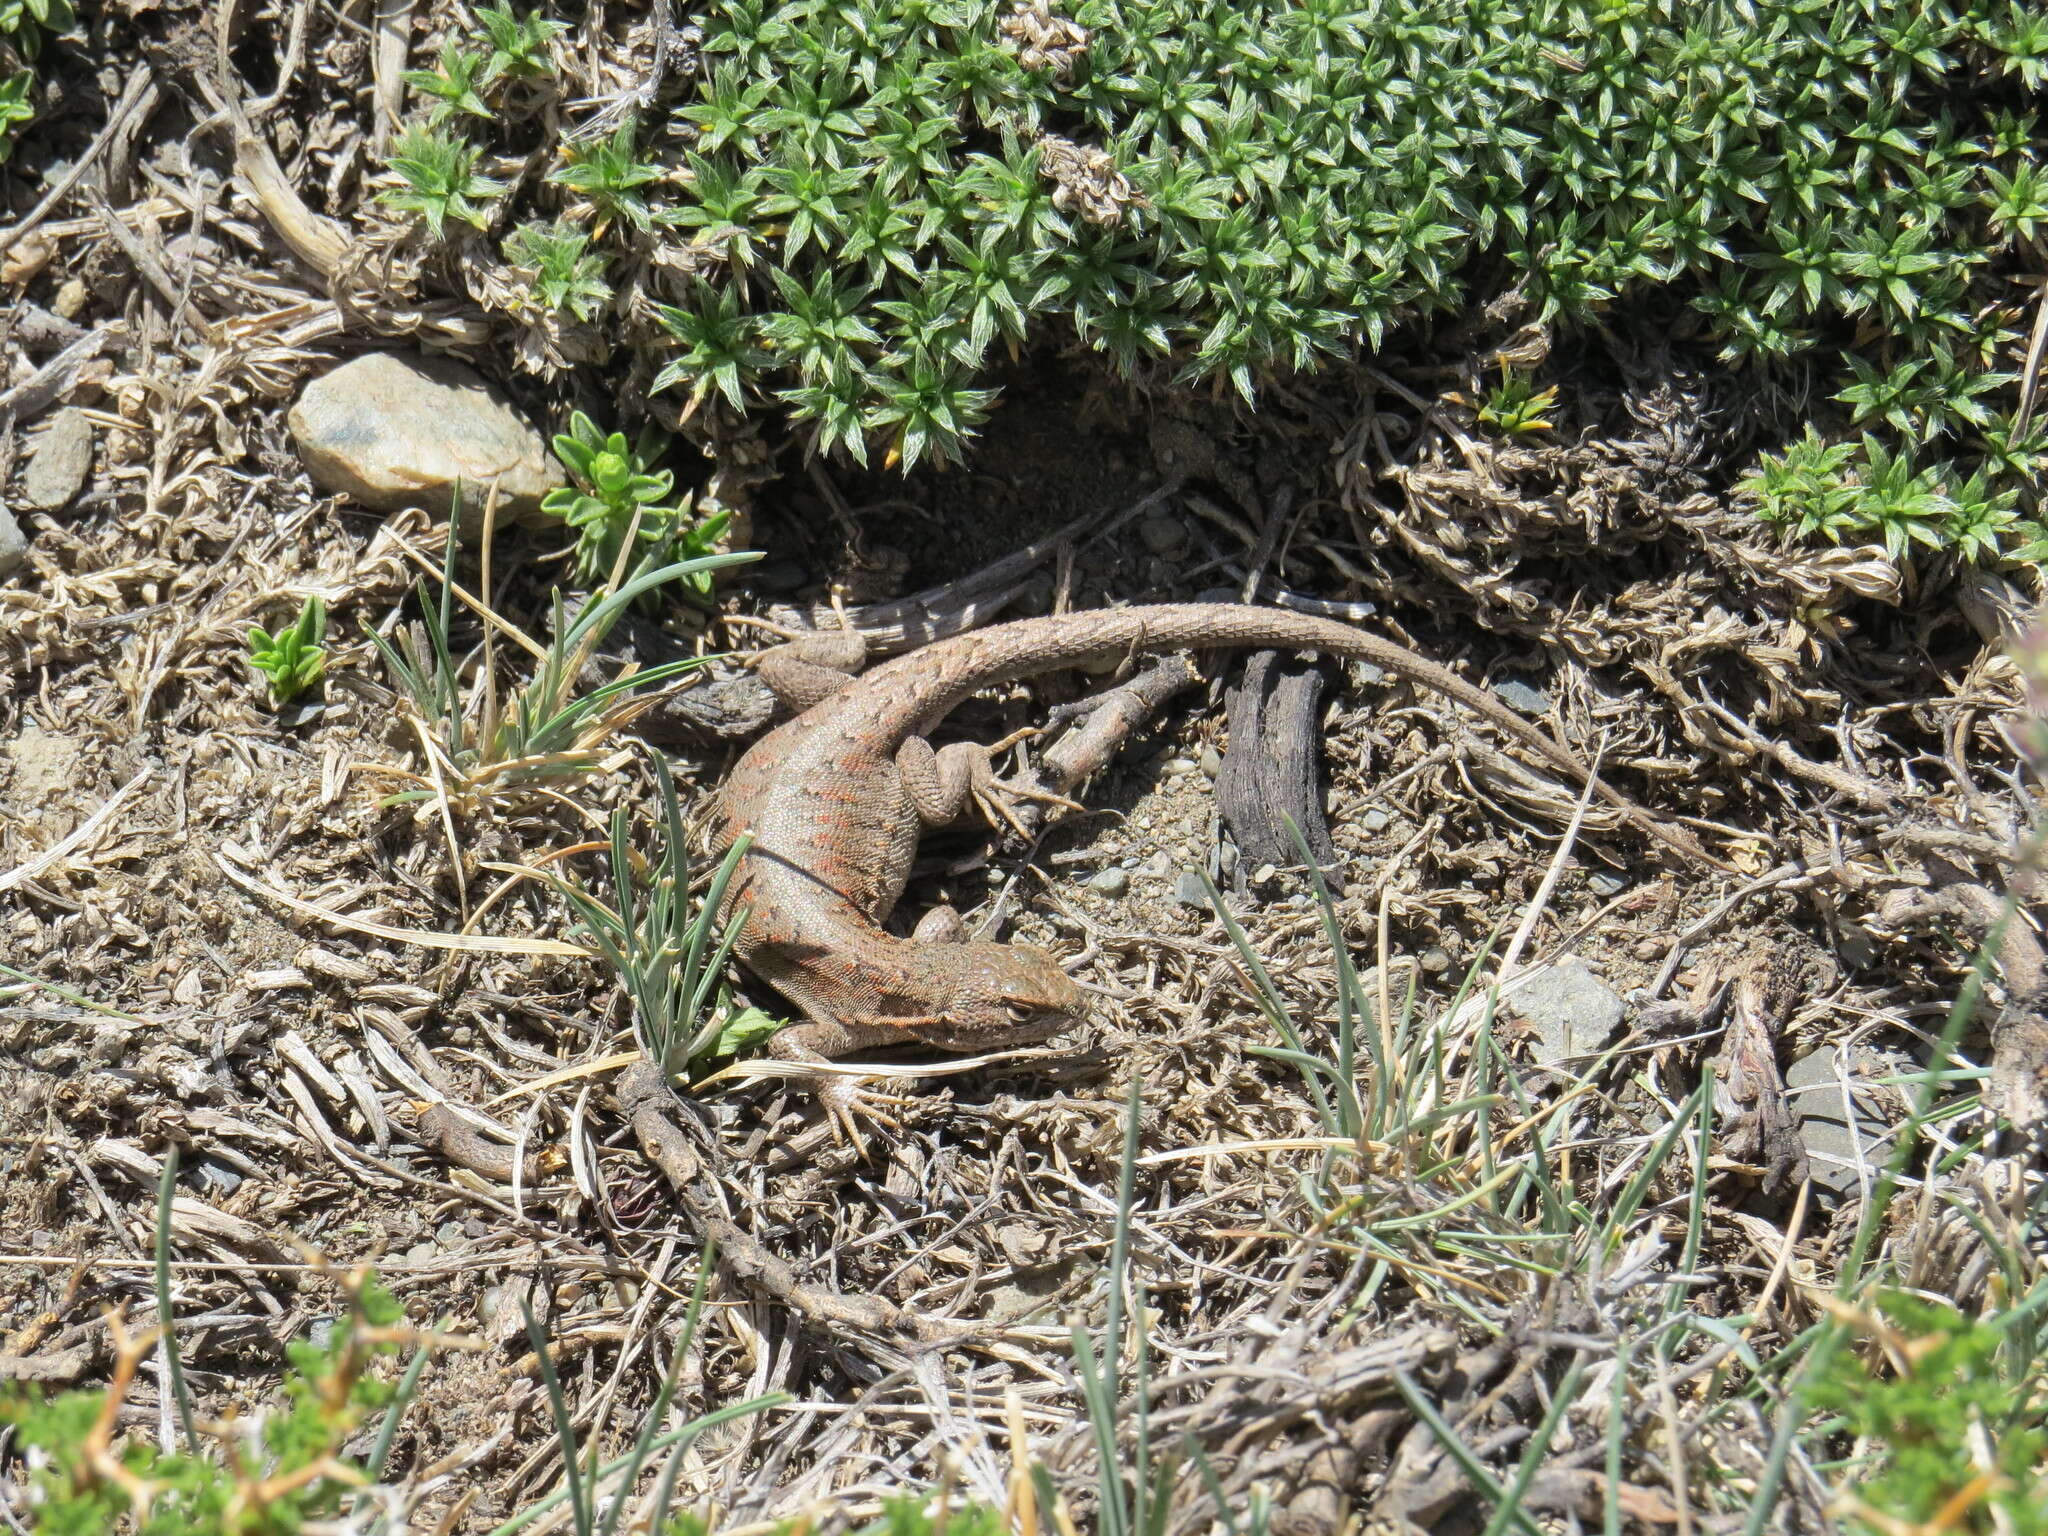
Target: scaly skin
x,y
835,828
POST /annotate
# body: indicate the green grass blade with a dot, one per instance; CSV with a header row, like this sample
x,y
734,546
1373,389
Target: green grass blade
x,y
167,1335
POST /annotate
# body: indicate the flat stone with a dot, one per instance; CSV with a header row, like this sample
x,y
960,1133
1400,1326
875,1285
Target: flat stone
x,y
392,430
1111,882
1211,762
1572,1011
13,543
1375,820
1840,1158
1190,892
1606,883
1519,695
60,462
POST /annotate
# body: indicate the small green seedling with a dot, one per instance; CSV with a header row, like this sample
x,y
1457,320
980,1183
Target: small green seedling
x,y
566,273
455,86
610,173
14,109
292,659
615,483
519,44
1515,407
441,180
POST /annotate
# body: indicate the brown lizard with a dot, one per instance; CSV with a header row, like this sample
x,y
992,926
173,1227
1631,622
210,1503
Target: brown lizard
x,y
835,799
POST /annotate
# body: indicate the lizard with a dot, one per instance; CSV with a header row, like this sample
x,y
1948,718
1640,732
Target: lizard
x,y
834,800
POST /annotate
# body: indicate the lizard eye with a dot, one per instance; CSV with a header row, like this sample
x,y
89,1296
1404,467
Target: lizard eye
x,y
1020,1013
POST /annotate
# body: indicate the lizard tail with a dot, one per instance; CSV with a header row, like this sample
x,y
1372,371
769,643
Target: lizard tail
x,y
951,670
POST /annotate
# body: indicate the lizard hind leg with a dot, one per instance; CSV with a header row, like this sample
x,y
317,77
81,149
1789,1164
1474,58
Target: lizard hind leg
x,y
810,669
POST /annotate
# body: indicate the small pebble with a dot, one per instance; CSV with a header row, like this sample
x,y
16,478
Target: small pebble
x,y
1365,675
1112,883
13,543
1375,820
1034,598
217,1179
1264,874
70,299
1211,761
1519,695
1160,864
422,1253
1190,892
1606,883
59,463
450,1233
1163,535
1180,765
1436,961
1226,859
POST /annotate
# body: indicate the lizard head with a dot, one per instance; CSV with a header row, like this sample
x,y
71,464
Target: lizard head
x,y
990,995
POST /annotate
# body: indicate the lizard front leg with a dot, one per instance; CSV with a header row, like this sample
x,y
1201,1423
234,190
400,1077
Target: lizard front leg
x,y
941,783
846,1100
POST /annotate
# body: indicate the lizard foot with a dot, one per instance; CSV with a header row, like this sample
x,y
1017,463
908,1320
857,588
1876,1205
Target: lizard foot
x,y
997,800
849,1102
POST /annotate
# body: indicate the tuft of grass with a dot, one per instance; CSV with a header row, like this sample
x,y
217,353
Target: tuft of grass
x,y
666,951
482,750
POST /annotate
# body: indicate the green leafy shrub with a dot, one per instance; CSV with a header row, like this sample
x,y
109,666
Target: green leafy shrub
x,y
25,25
861,206
87,1478
1957,1425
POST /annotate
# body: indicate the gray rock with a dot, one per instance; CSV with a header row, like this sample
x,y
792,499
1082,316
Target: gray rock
x,y
1163,535
13,543
1435,961
1606,883
1841,1158
392,431
1159,865
1375,820
1519,695
1211,762
1365,675
1226,859
1112,883
62,459
1190,892
1572,1011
